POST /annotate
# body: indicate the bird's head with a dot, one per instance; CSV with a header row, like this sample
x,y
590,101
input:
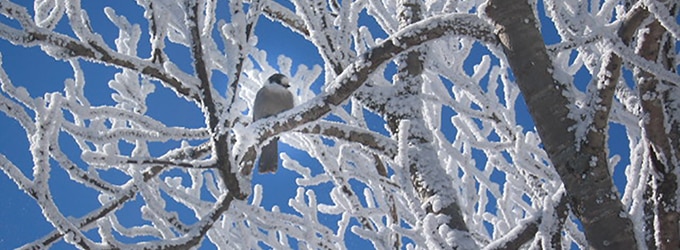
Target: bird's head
x,y
279,79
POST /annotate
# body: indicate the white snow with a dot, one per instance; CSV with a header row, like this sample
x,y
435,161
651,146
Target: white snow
x,y
461,128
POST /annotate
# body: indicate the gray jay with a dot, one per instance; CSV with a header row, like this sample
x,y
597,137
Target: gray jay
x,y
271,99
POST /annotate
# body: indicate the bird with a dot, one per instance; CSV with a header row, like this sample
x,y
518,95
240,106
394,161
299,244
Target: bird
x,y
273,98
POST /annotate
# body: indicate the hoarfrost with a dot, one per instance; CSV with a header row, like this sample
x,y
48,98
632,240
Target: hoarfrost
x,y
456,134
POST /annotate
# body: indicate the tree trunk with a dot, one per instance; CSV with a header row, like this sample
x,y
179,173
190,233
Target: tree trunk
x,y
662,136
583,167
431,181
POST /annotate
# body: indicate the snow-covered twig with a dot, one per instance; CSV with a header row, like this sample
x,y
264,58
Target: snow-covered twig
x,y
129,191
277,12
355,75
33,36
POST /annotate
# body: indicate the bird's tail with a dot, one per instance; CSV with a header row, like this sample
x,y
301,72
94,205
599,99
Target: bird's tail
x,y
269,159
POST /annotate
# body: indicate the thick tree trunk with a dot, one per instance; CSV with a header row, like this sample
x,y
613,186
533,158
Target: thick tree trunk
x,y
582,166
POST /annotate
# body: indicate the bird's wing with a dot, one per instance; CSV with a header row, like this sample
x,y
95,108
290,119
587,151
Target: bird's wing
x,y
271,100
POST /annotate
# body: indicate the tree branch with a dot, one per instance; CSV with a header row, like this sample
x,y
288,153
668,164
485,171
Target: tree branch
x,y
601,101
528,227
518,236
324,33
549,107
251,19
129,191
15,174
277,12
79,174
197,232
660,123
33,36
17,112
207,99
370,139
156,32
357,73
209,104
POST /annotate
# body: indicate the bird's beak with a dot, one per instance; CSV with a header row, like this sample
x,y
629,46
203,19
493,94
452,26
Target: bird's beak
x,y
285,82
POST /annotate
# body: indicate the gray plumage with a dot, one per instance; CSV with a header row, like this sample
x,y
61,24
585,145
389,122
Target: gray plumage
x,y
271,99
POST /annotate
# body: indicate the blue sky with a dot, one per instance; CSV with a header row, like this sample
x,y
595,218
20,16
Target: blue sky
x,y
21,220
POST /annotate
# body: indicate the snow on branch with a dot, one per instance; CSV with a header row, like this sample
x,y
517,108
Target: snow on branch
x,y
79,175
15,174
367,138
16,111
128,192
349,178
196,233
207,96
358,72
115,134
21,95
61,46
518,236
657,70
277,12
108,160
662,14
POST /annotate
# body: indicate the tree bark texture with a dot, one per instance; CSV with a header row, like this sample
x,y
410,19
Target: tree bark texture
x,y
658,109
583,167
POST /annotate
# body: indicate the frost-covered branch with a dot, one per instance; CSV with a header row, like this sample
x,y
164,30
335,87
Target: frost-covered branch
x,y
528,228
276,11
206,92
539,81
660,126
158,134
128,192
78,174
332,43
596,120
664,16
16,111
242,38
356,74
518,236
416,136
197,232
13,172
68,47
373,140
